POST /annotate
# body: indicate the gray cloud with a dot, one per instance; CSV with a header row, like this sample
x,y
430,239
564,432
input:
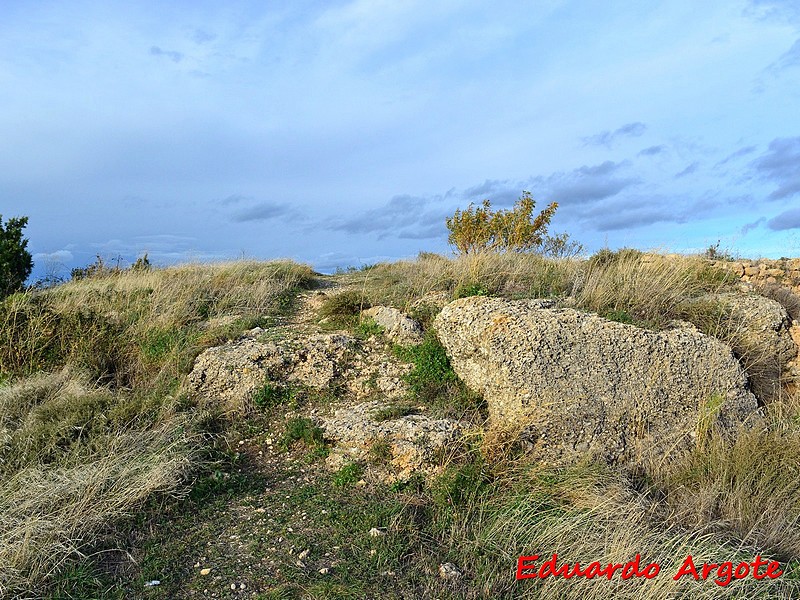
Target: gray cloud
x,y
201,37
789,219
737,154
782,10
790,58
263,211
585,184
652,150
233,199
750,226
170,54
606,138
688,170
401,211
781,165
486,189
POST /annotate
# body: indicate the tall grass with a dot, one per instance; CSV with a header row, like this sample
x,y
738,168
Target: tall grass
x,y
68,470
93,421
140,325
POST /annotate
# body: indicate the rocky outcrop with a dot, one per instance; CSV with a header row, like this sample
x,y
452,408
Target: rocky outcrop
x,y
762,341
231,373
395,447
398,327
582,385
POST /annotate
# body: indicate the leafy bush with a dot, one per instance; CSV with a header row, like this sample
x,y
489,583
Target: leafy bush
x,y
15,260
481,229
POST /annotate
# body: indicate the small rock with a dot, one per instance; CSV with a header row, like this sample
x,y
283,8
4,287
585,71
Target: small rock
x,y
152,583
233,586
449,572
324,571
304,554
205,571
375,532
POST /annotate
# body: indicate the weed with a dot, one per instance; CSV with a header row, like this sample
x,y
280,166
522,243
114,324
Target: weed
x,y
366,328
343,309
301,429
432,380
380,451
471,289
394,411
348,475
273,394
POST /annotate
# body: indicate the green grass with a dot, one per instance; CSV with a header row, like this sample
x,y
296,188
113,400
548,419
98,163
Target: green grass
x,y
394,411
433,382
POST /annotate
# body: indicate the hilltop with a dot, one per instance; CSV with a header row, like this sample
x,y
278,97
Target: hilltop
x,y
404,430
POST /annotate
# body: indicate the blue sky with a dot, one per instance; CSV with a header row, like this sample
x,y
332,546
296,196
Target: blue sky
x,y
343,133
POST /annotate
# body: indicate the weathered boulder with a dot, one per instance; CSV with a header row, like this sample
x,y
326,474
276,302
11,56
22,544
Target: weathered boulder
x,y
411,443
399,327
583,385
230,374
763,341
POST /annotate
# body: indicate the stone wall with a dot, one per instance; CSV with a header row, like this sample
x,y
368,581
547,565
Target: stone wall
x,y
784,271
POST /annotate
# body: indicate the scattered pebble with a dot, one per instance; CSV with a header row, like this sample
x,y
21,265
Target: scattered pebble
x,y
449,571
205,571
375,532
324,571
304,554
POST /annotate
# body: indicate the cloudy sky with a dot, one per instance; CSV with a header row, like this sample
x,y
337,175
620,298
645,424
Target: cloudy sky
x,y
344,132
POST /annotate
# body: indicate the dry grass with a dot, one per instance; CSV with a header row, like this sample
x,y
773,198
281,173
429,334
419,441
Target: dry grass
x,y
513,275
67,472
651,289
588,514
133,325
88,443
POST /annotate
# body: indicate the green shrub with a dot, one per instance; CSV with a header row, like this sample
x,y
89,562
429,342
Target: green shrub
x,y
302,429
349,474
432,380
471,289
273,394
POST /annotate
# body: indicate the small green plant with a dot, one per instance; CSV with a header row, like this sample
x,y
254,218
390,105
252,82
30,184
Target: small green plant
x,y
366,328
620,316
380,451
471,289
348,475
433,381
302,429
394,411
273,394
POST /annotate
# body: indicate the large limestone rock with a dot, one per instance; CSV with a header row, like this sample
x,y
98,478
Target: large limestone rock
x,y
763,341
230,374
413,442
399,328
580,384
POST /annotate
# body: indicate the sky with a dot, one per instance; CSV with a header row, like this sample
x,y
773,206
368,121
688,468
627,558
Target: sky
x,y
343,133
